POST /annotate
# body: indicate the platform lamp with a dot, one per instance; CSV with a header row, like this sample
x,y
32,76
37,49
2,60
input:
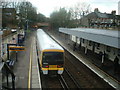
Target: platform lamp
x,y
1,63
1,32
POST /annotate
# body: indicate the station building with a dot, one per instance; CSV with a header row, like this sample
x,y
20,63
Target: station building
x,y
103,42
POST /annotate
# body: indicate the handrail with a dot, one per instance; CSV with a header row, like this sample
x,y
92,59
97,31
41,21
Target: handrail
x,y
9,71
6,88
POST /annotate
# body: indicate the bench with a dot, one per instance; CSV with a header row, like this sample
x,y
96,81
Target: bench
x,y
11,63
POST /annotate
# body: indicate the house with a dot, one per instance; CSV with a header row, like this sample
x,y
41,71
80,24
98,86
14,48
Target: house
x,y
96,40
102,20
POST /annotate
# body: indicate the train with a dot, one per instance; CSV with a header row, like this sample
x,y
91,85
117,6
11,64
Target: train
x,y
50,54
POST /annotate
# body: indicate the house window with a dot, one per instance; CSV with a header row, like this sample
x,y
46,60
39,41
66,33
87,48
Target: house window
x,y
108,49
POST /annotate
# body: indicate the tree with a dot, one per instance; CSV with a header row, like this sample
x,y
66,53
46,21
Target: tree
x,y
80,10
27,14
10,4
60,18
41,18
69,17
12,7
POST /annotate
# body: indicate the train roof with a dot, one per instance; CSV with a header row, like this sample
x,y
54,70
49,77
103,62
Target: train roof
x,y
103,36
46,42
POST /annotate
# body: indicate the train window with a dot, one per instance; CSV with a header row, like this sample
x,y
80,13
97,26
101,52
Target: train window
x,y
52,56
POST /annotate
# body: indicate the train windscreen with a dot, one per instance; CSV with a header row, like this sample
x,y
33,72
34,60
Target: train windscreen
x,y
53,57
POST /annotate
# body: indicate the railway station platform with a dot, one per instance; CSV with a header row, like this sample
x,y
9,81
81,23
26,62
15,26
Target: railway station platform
x,y
106,72
26,67
27,72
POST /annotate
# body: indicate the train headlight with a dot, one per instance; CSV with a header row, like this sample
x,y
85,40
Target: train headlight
x,y
47,66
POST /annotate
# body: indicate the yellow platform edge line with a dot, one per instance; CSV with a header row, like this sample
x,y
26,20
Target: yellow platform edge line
x,y
30,65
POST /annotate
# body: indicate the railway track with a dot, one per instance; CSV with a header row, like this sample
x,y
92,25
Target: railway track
x,y
64,81
69,78
84,76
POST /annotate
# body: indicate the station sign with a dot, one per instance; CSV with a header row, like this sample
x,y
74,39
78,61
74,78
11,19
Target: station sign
x,y
16,48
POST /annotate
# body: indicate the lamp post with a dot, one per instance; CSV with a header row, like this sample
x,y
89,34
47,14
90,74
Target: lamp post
x,y
1,32
27,24
0,44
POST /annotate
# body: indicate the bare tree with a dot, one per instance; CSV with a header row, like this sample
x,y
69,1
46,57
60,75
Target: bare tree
x,y
80,10
4,3
11,4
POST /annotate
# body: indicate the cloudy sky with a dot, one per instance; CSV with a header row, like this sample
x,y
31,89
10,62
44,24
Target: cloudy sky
x,y
46,7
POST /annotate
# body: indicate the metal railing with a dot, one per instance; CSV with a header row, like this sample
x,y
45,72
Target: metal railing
x,y
7,72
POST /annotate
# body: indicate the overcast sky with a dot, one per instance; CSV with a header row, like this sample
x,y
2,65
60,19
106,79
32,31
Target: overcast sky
x,y
46,7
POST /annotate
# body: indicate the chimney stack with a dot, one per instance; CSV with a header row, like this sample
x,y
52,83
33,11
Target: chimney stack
x,y
113,12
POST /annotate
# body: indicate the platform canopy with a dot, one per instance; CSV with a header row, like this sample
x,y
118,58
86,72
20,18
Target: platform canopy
x,y
103,36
